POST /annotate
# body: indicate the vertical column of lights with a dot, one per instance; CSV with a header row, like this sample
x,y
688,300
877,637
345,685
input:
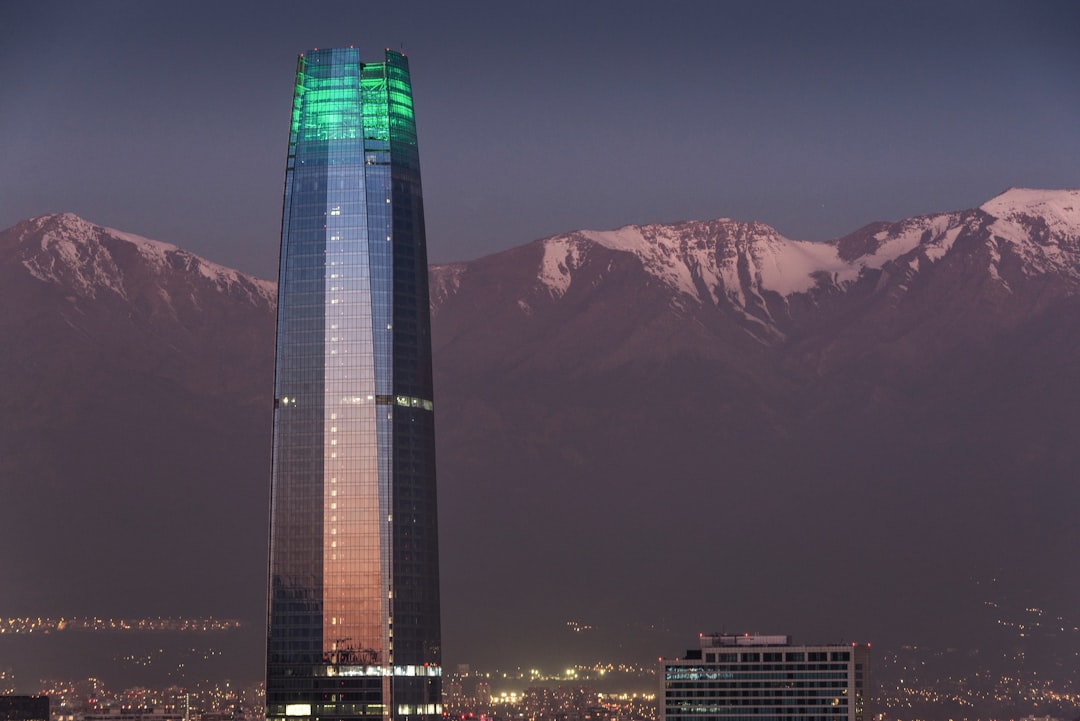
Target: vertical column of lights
x,y
348,392
392,131
378,202
329,110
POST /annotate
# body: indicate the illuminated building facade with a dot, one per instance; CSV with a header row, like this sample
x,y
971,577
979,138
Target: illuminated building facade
x,y
353,613
765,678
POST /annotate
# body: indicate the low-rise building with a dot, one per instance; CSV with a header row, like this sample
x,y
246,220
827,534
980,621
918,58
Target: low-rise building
x,y
766,678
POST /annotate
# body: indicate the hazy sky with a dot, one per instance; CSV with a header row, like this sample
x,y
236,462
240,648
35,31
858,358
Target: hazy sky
x,y
170,119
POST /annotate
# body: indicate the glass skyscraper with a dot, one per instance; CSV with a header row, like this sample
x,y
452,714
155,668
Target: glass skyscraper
x,y
353,613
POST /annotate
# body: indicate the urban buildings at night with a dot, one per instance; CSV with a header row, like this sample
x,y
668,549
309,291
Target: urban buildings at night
x,y
353,619
766,678
24,708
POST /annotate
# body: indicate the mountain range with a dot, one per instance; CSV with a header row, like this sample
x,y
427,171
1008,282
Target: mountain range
x,y
652,431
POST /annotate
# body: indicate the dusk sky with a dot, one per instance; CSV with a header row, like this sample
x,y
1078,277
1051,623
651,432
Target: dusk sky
x,y
170,119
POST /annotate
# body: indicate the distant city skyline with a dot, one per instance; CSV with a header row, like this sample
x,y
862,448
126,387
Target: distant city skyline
x,y
815,118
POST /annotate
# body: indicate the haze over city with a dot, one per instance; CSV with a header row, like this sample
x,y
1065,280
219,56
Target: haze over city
x,y
745,317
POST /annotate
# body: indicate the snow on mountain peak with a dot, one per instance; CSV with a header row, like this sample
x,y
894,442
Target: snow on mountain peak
x,y
445,281
1062,204
692,258
750,268
705,259
747,262
562,255
68,255
86,257
1042,227
1060,209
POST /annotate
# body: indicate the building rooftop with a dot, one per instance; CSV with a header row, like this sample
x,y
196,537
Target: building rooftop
x,y
714,640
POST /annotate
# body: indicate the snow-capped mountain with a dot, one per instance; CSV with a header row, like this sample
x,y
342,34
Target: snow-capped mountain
x,y
749,269
872,420
907,292
827,439
105,288
137,381
89,260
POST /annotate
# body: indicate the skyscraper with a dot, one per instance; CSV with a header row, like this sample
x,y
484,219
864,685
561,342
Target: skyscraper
x,y
353,617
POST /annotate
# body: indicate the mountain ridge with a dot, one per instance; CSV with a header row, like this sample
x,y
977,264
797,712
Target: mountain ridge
x,y
627,432
814,265
66,249
750,268
713,273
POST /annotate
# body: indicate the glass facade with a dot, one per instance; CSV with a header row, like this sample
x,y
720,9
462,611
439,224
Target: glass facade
x,y
353,613
729,681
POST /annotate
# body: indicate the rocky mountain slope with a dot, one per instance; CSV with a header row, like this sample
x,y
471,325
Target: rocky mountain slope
x,y
778,289
133,446
656,430
736,429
